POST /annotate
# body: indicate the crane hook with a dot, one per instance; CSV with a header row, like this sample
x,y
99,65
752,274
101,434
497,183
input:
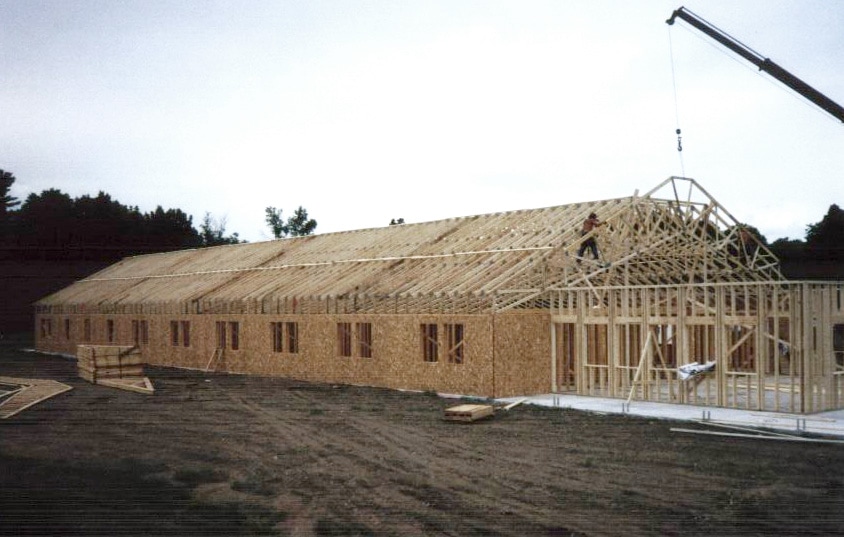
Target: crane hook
x,y
679,141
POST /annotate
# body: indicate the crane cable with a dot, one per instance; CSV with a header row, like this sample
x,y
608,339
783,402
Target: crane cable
x,y
676,106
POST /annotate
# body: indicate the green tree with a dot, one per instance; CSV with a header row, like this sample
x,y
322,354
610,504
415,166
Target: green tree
x,y
169,230
297,225
276,222
826,238
47,220
788,248
7,201
212,232
103,222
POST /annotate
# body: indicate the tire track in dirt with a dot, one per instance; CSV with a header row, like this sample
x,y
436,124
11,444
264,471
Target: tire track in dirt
x,y
415,458
446,461
297,432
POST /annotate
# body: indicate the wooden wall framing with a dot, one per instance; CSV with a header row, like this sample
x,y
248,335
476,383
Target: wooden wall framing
x,y
773,344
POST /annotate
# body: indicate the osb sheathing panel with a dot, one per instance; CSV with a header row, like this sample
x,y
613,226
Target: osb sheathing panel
x,y
396,360
396,348
522,353
64,342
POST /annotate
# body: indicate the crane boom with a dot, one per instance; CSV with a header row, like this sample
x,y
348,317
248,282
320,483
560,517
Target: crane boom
x,y
764,64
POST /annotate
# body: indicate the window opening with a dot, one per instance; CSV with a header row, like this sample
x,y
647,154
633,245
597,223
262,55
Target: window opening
x,y
234,329
344,339
364,333
430,343
174,333
454,334
46,327
185,326
221,334
277,333
293,337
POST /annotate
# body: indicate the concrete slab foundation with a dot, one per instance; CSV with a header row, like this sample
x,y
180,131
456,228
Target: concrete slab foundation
x,y
829,423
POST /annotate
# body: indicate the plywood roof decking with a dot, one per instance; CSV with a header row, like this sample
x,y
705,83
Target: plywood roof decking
x,y
516,254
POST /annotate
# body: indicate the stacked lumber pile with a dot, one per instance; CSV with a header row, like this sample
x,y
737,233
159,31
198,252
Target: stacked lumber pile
x,y
113,365
468,413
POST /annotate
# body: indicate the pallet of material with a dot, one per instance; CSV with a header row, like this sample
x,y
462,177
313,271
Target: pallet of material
x,y
468,412
114,366
89,373
108,357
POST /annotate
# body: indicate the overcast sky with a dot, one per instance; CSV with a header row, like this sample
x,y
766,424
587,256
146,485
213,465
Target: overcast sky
x,y
363,111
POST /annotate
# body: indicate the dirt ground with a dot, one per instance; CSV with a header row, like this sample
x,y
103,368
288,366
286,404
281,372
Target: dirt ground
x,y
213,454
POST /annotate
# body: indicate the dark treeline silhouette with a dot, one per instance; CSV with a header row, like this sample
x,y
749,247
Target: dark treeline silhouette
x,y
821,255
53,226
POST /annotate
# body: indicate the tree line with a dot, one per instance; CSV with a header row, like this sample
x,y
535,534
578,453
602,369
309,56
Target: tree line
x,y
54,226
820,255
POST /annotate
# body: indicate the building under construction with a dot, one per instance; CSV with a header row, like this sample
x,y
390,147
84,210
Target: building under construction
x,y
682,305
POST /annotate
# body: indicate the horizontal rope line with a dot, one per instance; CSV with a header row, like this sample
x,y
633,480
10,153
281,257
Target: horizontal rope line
x,y
319,264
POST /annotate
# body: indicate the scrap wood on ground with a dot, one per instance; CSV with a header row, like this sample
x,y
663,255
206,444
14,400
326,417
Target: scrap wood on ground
x,y
18,394
475,412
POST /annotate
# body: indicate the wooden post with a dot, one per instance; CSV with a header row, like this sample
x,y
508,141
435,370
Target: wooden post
x,y
681,341
613,349
761,346
806,384
553,357
580,345
720,347
646,348
642,357
825,341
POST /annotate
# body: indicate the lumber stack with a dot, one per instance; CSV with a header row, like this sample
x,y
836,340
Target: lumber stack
x,y
116,366
468,413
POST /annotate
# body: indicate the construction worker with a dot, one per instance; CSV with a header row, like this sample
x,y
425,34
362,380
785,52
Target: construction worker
x,y
588,225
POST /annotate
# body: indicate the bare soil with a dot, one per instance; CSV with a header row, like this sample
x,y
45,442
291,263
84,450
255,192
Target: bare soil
x,y
213,454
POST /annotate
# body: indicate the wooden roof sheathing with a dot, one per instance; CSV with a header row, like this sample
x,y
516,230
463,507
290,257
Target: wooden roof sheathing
x,y
498,260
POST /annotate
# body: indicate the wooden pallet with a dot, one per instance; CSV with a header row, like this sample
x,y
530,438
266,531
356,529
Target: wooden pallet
x,y
29,392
